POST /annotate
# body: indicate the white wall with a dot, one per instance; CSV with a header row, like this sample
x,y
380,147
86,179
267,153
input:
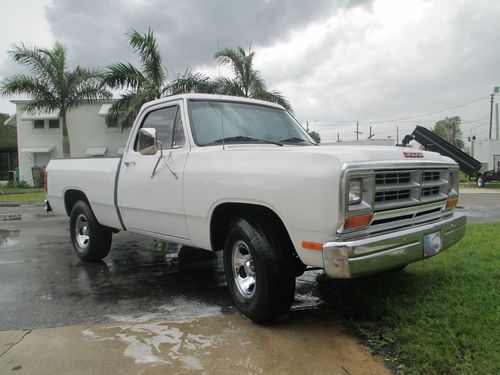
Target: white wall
x,y
27,137
485,150
85,129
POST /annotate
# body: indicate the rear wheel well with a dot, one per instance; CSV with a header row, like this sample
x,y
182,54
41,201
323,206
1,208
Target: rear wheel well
x,y
71,197
225,213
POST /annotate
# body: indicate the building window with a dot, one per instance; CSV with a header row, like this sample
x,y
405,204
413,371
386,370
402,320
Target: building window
x,y
38,124
112,123
53,124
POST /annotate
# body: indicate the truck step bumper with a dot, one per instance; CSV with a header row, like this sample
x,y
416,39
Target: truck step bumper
x,y
384,252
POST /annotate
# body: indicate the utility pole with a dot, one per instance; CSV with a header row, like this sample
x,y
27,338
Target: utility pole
x,y
307,126
371,135
496,121
492,98
397,135
357,131
338,137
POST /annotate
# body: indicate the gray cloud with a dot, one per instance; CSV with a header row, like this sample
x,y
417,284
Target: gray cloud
x,y
336,61
187,31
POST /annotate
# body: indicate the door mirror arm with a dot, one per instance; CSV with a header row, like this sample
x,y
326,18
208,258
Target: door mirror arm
x,y
160,158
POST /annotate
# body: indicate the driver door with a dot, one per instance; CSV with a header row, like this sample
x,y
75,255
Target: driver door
x,y
154,204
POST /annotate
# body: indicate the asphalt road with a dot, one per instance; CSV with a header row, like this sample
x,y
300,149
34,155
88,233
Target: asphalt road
x,y
43,284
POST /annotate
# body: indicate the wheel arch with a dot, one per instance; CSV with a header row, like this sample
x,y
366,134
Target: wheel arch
x,y
71,196
224,213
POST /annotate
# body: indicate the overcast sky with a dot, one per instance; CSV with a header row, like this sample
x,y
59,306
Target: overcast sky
x,y
386,63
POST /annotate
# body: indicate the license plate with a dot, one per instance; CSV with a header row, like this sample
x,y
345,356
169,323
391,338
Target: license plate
x,y
433,243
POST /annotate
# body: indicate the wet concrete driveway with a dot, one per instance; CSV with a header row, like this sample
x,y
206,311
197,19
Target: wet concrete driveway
x,y
148,308
45,285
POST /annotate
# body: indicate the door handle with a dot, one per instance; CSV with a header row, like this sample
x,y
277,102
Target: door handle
x,y
129,163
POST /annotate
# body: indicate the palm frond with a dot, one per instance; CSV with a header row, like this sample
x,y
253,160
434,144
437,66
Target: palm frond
x,y
20,84
275,97
191,82
123,76
33,58
147,47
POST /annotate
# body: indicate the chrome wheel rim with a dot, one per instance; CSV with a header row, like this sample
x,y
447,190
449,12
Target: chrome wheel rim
x,y
243,269
82,234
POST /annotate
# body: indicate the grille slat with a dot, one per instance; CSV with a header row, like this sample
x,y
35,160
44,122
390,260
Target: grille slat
x,y
402,188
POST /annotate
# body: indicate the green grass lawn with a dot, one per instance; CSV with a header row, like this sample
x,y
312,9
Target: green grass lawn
x,y
439,316
21,194
489,185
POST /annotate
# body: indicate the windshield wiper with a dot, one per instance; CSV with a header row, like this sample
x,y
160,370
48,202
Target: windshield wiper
x,y
297,140
244,138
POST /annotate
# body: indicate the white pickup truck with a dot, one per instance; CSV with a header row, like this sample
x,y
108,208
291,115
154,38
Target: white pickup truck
x,y
242,176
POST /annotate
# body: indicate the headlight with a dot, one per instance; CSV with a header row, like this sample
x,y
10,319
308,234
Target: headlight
x,y
355,191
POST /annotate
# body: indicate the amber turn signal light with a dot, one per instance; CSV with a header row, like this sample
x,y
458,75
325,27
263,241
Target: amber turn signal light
x,y
359,221
312,245
451,203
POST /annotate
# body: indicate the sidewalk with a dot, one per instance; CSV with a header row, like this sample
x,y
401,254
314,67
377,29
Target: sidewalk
x,y
212,345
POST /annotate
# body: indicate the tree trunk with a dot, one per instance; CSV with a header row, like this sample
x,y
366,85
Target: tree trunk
x,y
65,140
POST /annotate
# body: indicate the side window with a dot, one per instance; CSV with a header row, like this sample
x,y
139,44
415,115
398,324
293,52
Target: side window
x,y
162,120
178,132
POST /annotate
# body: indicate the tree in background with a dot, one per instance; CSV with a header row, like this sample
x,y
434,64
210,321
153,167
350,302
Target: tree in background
x,y
142,84
449,130
8,134
314,135
246,81
52,86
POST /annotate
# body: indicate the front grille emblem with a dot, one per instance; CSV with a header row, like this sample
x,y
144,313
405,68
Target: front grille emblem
x,y
413,154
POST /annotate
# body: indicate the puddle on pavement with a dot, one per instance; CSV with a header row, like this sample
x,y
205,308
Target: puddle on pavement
x,y
8,237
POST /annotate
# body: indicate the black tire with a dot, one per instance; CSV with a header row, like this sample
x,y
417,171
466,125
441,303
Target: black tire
x,y
480,181
273,288
91,240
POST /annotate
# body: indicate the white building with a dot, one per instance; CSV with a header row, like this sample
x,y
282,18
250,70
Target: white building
x,y
39,135
487,151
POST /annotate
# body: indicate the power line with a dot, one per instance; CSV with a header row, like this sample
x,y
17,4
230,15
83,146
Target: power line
x,y
410,118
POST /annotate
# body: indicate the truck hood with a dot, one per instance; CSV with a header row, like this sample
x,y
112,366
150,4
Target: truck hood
x,y
352,153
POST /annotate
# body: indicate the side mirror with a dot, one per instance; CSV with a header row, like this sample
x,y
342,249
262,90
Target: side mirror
x,y
147,141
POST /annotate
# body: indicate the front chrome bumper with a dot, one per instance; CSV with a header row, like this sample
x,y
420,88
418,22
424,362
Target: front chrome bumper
x,y
384,252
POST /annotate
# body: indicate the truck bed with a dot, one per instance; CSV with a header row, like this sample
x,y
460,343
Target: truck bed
x,y
95,177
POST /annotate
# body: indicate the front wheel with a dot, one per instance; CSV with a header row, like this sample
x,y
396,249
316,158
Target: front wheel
x,y
91,240
259,273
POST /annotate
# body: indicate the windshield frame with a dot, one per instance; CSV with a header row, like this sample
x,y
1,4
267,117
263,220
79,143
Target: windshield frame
x,y
307,139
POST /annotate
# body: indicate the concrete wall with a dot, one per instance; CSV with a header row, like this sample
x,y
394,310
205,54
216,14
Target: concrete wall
x,y
487,151
86,128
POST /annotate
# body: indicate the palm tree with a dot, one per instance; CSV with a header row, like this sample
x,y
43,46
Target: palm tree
x,y
142,84
52,86
247,81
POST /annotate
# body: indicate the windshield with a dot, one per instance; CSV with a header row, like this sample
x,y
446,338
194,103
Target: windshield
x,y
214,122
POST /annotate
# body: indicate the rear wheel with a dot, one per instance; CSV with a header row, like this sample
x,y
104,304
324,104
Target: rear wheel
x,y
91,240
480,181
259,273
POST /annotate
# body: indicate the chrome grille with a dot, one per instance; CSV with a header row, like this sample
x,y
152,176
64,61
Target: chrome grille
x,y
392,178
402,188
